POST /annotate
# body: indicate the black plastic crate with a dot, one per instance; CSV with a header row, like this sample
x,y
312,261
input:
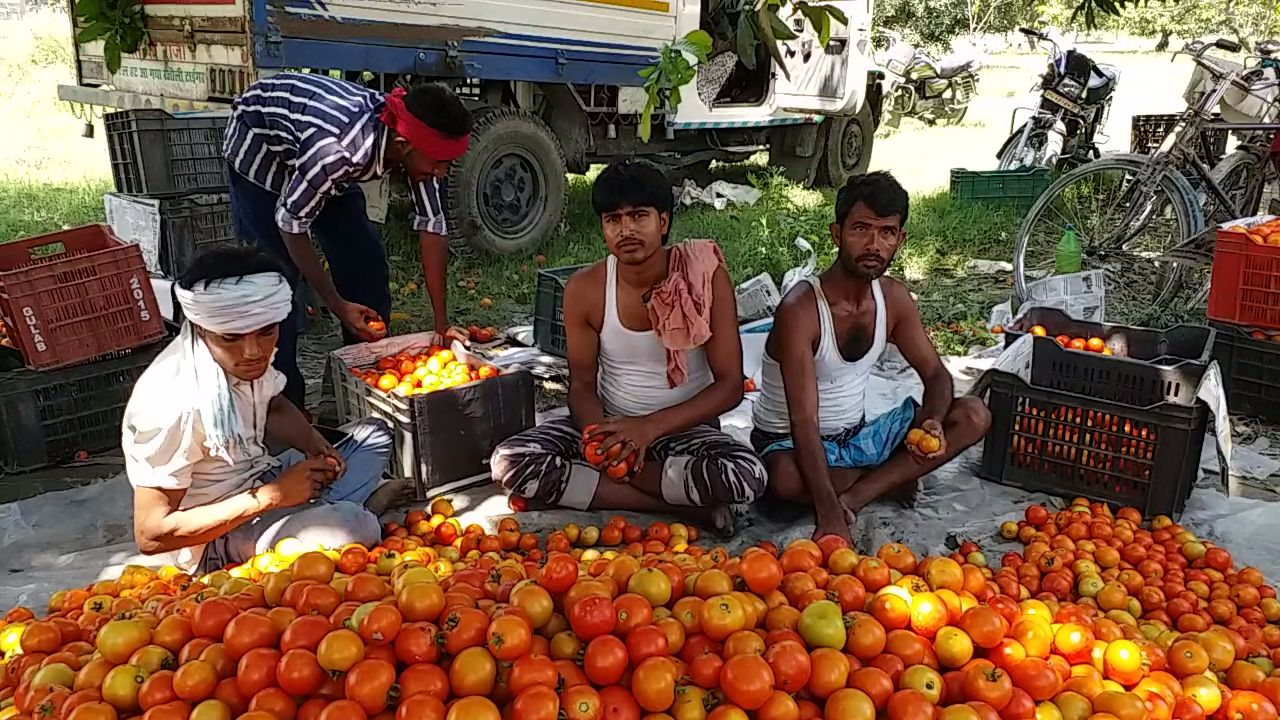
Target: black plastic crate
x,y
1011,188
1250,364
1147,367
1147,132
155,153
548,310
190,225
48,417
1074,445
443,436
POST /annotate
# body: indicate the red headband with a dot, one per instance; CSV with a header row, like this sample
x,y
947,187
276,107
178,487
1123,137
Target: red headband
x,y
422,137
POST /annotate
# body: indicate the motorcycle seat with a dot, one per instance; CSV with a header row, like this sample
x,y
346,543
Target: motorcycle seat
x,y
952,65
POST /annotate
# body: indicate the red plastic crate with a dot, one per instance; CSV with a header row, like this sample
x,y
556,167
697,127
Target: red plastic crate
x,y
76,295
1245,289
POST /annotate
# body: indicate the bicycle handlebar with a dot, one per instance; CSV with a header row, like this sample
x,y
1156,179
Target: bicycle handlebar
x,y
1033,33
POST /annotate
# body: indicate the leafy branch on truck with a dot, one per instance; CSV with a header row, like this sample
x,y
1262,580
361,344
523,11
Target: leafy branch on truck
x,y
118,23
740,26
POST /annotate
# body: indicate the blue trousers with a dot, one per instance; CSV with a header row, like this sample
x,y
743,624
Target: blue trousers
x,y
338,519
351,244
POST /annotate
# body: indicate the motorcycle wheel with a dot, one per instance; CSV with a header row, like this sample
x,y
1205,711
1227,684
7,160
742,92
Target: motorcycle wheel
x,y
958,117
1043,149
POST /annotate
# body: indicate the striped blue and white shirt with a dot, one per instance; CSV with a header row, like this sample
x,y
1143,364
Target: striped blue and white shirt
x,y
308,137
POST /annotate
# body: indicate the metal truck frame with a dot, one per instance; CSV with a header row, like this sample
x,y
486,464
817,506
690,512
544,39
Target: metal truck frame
x,y
555,86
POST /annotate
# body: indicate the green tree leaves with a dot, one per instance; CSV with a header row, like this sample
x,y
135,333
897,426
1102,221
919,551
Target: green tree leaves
x,y
118,23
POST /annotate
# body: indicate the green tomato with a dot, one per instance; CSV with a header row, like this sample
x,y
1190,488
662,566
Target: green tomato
x,y
822,625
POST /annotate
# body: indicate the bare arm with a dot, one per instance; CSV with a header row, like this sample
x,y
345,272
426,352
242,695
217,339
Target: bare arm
x,y
429,221
793,339
724,356
326,163
159,526
286,423
908,333
584,349
435,268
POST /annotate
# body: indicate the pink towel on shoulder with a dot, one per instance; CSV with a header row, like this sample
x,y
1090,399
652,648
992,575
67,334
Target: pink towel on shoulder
x,y
680,307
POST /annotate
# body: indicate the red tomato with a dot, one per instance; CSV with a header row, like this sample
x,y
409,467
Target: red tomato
x,y
591,617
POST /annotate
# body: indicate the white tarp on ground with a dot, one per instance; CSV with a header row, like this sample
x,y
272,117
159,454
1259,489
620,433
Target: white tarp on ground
x,y
70,538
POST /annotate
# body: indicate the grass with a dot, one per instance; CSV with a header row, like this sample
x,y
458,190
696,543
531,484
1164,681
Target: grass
x,y
51,177
943,237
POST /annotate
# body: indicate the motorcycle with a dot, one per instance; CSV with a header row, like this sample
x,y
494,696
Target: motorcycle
x,y
918,86
1074,102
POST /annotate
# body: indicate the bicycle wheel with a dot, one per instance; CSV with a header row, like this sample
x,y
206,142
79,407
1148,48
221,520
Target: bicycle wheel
x,y
1240,176
1125,228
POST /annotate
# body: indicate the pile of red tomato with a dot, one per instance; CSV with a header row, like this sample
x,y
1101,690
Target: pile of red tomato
x,y
1099,617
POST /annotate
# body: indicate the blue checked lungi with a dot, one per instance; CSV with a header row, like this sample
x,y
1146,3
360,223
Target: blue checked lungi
x,y
868,444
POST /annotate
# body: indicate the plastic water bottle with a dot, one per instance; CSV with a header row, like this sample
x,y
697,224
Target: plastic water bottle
x,y
1066,257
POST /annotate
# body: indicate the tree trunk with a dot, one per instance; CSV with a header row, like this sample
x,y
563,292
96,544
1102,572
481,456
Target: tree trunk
x,y
1163,43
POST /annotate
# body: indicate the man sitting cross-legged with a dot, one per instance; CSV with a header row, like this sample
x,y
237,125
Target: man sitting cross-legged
x,y
195,430
654,360
828,333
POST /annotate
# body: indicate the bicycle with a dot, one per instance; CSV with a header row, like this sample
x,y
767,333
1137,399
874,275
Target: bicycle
x,y
1140,218
1255,165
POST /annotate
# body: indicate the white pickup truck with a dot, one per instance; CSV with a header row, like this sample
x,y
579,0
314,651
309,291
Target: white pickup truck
x,y
555,86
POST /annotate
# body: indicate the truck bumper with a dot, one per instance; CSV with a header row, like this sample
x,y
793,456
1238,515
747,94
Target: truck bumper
x,y
121,100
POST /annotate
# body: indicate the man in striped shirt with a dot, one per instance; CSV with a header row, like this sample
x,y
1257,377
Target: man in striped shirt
x,y
297,146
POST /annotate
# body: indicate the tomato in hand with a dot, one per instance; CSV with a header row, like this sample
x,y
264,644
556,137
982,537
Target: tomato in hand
x,y
594,455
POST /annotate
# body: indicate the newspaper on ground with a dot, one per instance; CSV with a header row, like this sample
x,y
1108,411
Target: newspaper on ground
x,y
719,194
1081,295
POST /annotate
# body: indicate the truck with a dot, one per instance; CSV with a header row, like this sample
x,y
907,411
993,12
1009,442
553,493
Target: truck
x,y
554,85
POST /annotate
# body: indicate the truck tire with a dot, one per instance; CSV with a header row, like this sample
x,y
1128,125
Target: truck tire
x,y
846,148
507,194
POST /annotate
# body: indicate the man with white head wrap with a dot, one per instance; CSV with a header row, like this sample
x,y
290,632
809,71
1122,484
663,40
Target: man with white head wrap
x,y
195,429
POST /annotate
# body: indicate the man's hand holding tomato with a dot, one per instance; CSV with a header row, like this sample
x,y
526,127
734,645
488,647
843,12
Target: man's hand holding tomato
x,y
618,439
321,448
927,441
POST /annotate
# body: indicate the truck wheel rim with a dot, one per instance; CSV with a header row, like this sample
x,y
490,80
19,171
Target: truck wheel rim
x,y
851,145
511,191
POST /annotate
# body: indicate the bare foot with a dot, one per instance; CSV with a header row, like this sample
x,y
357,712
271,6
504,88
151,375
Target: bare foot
x,y
722,521
820,529
393,492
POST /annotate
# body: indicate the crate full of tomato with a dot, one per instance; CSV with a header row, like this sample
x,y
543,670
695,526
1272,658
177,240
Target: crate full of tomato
x,y
1245,286
1109,412
447,407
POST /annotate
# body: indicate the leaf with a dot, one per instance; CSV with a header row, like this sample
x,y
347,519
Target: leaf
x,y
836,14
747,41
111,54
92,32
88,8
700,39
646,121
132,38
820,20
647,72
780,30
771,44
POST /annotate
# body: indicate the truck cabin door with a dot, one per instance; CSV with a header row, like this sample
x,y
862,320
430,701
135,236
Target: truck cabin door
x,y
829,80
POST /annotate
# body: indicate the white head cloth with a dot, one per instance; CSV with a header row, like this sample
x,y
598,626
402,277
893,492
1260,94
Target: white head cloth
x,y
230,306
